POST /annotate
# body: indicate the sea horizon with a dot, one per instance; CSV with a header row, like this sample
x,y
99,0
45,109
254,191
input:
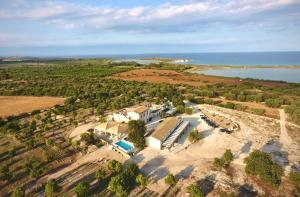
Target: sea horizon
x,y
266,58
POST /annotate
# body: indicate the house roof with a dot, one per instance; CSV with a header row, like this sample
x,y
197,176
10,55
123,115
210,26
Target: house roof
x,y
164,128
118,128
113,127
140,109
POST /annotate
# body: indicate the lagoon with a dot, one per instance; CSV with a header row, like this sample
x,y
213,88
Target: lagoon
x,y
274,74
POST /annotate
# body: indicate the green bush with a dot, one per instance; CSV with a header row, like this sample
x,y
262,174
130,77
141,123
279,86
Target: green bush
x,y
294,177
100,174
5,174
294,111
274,103
51,188
195,191
119,185
259,111
142,180
132,170
260,164
194,136
18,192
170,179
224,161
114,166
82,189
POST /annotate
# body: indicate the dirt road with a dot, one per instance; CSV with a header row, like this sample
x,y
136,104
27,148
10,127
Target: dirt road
x,y
285,139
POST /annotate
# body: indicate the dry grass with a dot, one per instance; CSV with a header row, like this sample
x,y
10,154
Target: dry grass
x,y
14,105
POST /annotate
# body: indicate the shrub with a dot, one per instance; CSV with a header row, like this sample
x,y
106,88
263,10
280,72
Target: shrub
x,y
82,189
260,164
88,138
195,191
224,161
170,179
188,110
259,111
294,111
131,170
274,103
100,174
142,180
218,163
119,185
194,136
18,192
228,157
51,188
294,177
5,174
114,166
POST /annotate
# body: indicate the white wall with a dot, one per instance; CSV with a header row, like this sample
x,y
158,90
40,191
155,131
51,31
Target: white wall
x,y
119,118
153,143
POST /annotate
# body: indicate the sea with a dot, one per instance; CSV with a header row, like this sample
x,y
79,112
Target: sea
x,y
245,59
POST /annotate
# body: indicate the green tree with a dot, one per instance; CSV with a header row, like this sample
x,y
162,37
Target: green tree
x,y
170,179
100,174
51,188
88,138
18,192
195,191
132,170
119,185
194,136
5,174
218,163
188,110
260,164
114,166
137,130
142,180
30,144
228,157
49,142
82,189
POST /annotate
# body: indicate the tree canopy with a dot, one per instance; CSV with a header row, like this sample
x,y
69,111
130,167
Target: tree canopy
x,y
137,130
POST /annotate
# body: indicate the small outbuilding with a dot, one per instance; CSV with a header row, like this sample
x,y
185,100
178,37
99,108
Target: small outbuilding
x,y
164,132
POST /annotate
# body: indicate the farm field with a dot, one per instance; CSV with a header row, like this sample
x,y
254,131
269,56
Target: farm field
x,y
14,105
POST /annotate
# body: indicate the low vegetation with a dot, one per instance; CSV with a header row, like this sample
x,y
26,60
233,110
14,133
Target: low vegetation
x,y
194,136
261,165
224,161
195,191
170,179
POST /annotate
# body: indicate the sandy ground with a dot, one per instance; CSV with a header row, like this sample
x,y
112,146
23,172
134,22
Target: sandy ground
x,y
14,105
191,162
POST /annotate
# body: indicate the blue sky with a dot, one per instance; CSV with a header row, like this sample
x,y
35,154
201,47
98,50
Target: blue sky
x,y
96,27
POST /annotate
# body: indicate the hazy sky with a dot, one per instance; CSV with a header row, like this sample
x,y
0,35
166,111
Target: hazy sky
x,y
95,27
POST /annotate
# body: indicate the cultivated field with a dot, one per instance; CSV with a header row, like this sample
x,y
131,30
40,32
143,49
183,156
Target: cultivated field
x,y
14,105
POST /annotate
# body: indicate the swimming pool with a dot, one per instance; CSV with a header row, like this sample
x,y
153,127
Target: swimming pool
x,y
125,146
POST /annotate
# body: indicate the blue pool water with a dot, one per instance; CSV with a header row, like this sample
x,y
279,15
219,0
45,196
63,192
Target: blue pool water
x,y
127,147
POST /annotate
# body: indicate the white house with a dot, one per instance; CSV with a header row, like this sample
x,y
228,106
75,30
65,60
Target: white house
x,y
167,132
127,114
114,129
